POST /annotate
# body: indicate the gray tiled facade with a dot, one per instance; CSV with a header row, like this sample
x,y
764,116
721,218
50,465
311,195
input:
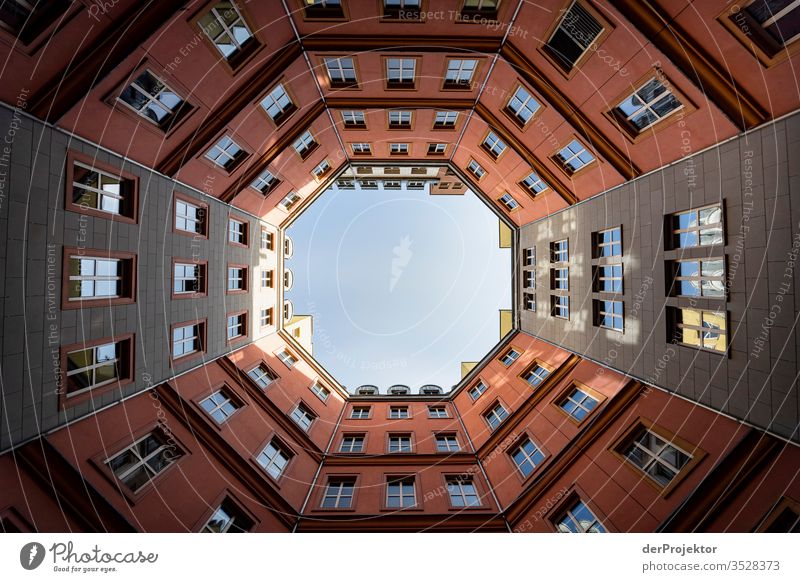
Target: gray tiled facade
x,y
757,178
35,227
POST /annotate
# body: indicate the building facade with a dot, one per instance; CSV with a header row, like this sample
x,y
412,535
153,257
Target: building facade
x,y
641,158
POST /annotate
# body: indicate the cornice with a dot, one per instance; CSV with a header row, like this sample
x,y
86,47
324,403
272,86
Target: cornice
x,y
404,521
438,43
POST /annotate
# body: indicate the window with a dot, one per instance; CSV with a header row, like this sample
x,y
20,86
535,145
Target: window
x,y
324,9
219,406
476,390
535,375
303,416
559,306
479,9
436,149
152,99
399,443
339,493
578,403
522,106
274,459
226,154
648,105
462,492
188,279
495,416
398,412
101,193
361,148
341,72
267,279
574,35
400,73
447,443
529,279
28,19
191,218
228,31
287,358
360,412
559,279
698,328
655,456
508,201
352,444
607,243
579,519
237,232
494,145
534,184
607,279
475,169
767,25
391,185
527,456
415,185
529,301
265,183
459,73
510,357
697,277
343,184
104,364
237,279
228,518
784,518
99,279
237,326
400,492
445,120
559,251
700,227
398,149
574,157
305,144
289,201
529,258
187,339
266,317
278,104
323,168
608,314
400,119
354,119
401,9
321,391
437,412
143,460
267,239
262,375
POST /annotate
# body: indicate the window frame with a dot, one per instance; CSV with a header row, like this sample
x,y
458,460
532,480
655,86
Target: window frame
x,y
236,161
245,234
490,410
555,61
318,14
401,85
232,397
672,314
203,292
564,395
670,230
517,445
339,85
353,435
412,448
353,407
536,363
245,52
673,278
767,54
205,209
564,167
283,447
599,313
67,400
202,335
245,269
128,279
245,325
309,412
445,435
399,477
462,478
74,157
267,370
453,86
323,494
640,424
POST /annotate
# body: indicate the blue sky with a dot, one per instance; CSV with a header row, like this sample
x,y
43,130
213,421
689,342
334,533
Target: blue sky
x,y
403,286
